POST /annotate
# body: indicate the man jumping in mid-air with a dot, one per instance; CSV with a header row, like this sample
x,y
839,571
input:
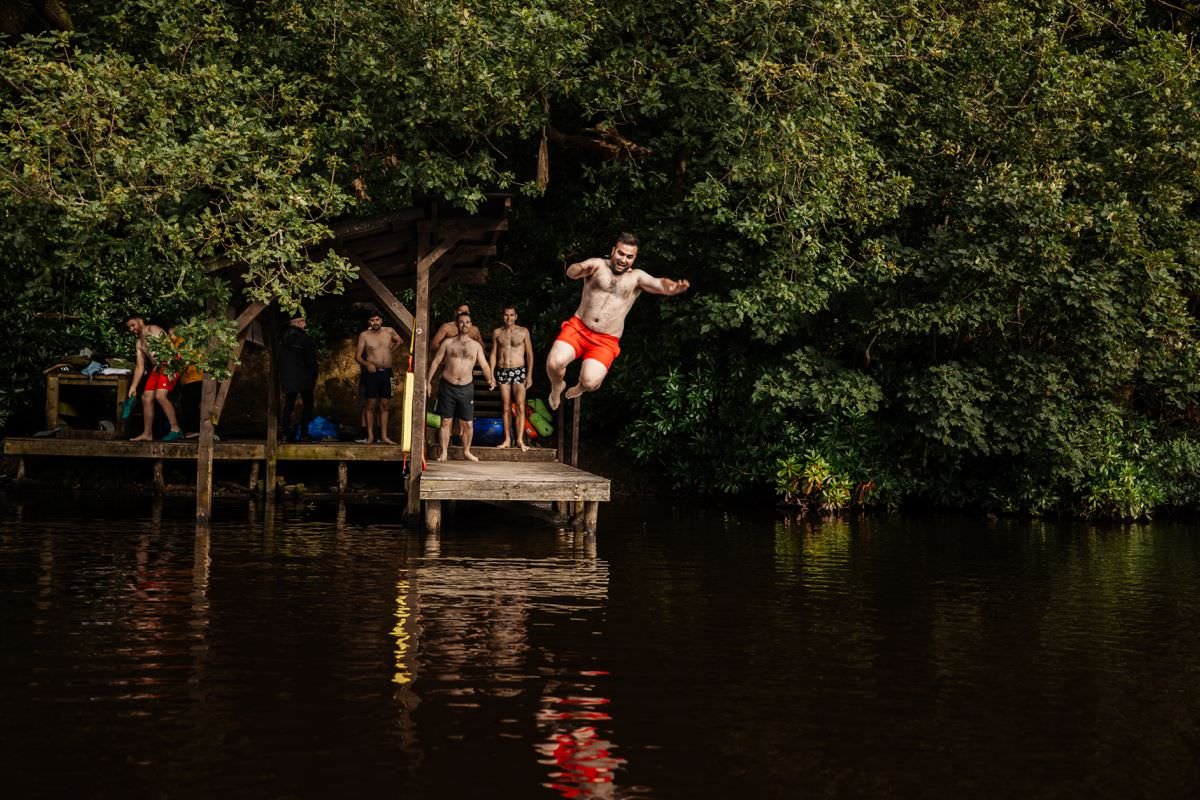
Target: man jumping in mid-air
x,y
610,288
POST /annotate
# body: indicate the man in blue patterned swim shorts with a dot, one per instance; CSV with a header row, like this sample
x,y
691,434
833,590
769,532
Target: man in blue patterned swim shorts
x,y
512,364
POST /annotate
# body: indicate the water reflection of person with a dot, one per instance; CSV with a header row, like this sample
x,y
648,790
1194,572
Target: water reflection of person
x,y
581,760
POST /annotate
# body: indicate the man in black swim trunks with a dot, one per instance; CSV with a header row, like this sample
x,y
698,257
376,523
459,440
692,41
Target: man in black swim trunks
x,y
374,352
448,330
456,397
512,351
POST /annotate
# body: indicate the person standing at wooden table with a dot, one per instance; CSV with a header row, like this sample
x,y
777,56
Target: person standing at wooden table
x,y
159,381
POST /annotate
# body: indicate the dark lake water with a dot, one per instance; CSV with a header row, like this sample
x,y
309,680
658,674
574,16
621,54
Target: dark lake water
x,y
684,652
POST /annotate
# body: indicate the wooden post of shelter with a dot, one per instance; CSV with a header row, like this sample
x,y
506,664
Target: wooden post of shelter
x,y
420,332
204,447
212,402
204,451
244,320
272,446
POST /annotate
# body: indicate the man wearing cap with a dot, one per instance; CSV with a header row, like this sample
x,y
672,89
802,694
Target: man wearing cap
x,y
297,375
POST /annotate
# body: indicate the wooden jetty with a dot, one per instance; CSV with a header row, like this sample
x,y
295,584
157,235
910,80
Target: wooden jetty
x,y
505,475
421,248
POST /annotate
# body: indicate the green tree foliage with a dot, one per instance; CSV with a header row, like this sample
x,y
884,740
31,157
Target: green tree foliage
x,y
940,251
947,250
169,150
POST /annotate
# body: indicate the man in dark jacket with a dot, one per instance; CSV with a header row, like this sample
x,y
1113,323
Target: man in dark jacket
x,y
297,375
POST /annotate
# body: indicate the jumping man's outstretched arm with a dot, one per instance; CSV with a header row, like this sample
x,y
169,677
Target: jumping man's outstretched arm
x,y
583,269
653,285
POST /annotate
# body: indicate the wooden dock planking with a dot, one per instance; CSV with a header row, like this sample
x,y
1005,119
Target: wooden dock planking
x,y
243,450
508,454
504,475
121,448
518,481
464,480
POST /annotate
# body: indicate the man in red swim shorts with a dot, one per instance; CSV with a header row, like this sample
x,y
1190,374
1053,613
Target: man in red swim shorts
x,y
610,288
160,381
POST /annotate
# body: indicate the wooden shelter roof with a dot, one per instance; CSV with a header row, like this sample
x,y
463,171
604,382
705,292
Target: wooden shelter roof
x,y
460,244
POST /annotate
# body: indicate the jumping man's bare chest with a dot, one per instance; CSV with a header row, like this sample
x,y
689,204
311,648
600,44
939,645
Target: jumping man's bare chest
x,y
608,283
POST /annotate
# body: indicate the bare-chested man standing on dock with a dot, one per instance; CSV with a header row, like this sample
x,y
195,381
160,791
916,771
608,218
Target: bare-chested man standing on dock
x,y
610,288
512,364
448,330
374,353
456,395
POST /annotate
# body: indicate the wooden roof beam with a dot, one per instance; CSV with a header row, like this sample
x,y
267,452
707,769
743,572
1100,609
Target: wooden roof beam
x,y
244,320
356,229
460,254
388,301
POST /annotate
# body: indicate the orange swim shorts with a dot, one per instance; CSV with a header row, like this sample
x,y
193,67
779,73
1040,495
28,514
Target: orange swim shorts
x,y
159,380
603,347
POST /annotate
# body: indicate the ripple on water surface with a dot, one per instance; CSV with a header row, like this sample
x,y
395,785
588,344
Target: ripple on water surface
x,y
685,652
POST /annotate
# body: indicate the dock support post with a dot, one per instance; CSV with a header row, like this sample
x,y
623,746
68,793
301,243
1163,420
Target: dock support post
x,y
204,452
591,515
562,433
272,446
343,477
253,484
433,516
159,482
204,445
575,433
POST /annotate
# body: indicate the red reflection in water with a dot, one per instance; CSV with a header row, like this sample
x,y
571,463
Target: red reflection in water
x,y
583,763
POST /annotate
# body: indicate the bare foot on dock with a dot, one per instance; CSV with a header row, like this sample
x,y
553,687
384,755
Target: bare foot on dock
x,y
524,447
142,438
443,456
469,456
386,440
502,445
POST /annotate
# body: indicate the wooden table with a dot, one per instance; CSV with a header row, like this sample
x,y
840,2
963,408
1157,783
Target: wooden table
x,y
56,380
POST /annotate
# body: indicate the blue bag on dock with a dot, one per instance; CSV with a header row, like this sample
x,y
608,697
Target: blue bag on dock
x,y
487,431
321,428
